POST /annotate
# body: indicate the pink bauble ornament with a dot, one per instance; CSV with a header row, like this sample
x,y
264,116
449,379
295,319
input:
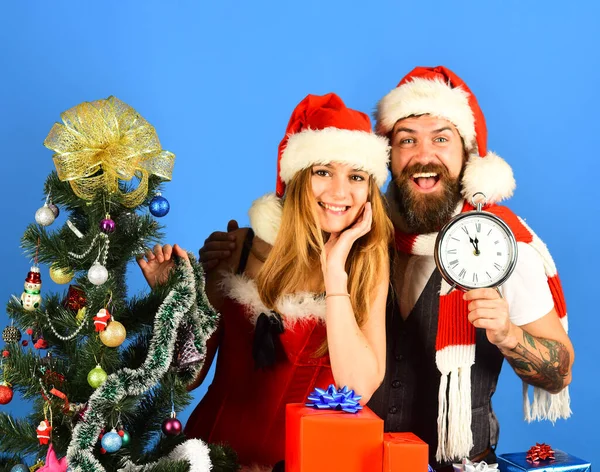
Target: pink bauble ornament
x,y
171,427
107,225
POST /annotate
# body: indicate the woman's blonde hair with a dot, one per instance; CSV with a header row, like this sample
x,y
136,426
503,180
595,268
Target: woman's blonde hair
x,y
294,259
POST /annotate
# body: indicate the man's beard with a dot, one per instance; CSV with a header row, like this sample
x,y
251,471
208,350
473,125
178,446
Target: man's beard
x,y
427,213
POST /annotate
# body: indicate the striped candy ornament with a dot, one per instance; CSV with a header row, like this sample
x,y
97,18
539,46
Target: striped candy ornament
x,y
455,344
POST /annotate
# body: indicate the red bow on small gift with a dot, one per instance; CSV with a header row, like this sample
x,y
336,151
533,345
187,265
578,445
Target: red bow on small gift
x,y
540,452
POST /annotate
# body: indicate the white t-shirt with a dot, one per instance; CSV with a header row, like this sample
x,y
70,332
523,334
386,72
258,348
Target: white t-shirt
x,y
526,291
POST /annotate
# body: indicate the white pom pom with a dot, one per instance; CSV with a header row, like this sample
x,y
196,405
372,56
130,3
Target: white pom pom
x,y
265,217
490,175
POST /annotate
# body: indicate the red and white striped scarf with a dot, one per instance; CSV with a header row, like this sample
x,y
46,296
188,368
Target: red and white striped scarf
x,y
455,345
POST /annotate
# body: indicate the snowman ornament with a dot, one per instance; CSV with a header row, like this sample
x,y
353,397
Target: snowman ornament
x,y
31,298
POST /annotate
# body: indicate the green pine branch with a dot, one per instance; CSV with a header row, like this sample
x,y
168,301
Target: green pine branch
x,y
18,436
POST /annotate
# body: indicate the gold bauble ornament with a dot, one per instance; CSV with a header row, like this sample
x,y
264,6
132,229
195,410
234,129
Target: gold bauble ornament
x,y
113,335
61,276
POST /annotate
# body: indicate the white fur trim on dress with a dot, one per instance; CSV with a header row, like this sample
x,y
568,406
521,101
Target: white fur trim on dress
x,y
194,451
490,175
360,149
301,306
427,97
265,217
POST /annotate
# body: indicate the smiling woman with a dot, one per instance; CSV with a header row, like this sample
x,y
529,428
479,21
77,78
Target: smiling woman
x,y
340,193
303,301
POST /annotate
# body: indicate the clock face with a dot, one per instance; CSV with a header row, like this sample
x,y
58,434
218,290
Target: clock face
x,y
476,250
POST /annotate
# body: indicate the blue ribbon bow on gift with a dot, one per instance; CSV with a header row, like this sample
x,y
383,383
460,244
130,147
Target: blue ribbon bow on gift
x,y
343,399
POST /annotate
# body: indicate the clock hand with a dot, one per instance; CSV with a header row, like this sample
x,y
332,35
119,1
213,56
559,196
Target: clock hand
x,y
475,243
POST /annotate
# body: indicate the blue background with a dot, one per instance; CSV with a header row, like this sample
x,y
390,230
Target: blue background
x,y
220,79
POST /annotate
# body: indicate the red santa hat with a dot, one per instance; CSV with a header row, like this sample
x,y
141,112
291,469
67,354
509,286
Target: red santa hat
x,y
321,130
33,276
440,92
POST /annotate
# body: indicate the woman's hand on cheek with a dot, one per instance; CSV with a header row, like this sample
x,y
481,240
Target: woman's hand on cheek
x,y
338,245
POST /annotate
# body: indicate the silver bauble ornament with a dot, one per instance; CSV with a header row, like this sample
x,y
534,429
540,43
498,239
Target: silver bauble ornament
x,y
97,274
44,216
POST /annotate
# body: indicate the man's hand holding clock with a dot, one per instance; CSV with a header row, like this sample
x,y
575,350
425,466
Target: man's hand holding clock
x,y
477,252
488,310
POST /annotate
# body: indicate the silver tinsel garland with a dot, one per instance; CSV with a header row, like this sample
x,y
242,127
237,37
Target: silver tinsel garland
x,y
186,300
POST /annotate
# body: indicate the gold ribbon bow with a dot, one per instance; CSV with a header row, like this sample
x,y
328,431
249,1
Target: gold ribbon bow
x,y
103,142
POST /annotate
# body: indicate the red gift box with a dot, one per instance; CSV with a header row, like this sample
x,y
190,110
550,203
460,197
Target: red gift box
x,y
327,440
404,452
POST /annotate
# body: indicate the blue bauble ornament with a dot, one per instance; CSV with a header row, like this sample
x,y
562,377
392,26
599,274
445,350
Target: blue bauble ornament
x,y
159,205
19,468
111,442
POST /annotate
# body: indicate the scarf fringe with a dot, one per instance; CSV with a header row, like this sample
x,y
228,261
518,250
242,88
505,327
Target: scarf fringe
x,y
545,405
526,403
457,439
442,418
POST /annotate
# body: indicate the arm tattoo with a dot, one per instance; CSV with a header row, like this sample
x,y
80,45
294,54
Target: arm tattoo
x,y
540,362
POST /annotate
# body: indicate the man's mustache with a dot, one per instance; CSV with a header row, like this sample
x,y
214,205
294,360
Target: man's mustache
x,y
408,172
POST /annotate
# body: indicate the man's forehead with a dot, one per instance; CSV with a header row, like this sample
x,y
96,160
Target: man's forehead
x,y
427,123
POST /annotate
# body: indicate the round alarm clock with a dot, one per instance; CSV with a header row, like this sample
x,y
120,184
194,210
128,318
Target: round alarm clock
x,y
476,249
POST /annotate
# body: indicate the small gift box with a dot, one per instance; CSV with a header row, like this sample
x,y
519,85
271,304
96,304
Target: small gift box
x,y
322,436
541,458
404,452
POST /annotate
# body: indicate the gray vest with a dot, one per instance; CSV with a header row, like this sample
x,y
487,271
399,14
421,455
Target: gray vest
x,y
407,400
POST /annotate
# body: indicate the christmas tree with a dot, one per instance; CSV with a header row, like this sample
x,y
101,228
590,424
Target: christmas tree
x,y
105,373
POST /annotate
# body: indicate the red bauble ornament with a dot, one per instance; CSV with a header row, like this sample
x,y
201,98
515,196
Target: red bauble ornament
x,y
6,394
24,343
5,353
41,343
171,427
29,331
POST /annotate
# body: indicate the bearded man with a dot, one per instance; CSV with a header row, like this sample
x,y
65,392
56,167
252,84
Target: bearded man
x,y
445,348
